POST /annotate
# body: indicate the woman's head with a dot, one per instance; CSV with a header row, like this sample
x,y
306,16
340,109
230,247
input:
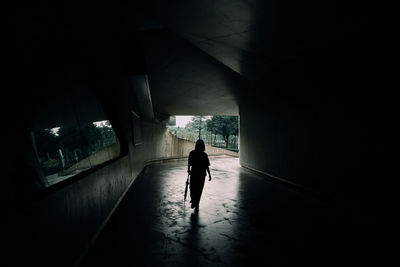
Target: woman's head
x,y
200,145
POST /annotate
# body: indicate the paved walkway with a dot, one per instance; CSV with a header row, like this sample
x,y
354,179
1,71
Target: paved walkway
x,y
245,219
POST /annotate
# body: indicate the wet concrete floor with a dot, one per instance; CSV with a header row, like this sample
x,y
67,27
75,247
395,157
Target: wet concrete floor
x,y
245,219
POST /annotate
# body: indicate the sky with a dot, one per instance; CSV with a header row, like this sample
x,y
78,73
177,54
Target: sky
x,y
181,121
97,123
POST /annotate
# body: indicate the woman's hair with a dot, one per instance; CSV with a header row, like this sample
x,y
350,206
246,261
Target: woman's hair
x,y
200,145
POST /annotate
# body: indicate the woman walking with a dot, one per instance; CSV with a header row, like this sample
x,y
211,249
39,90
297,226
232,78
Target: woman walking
x,y
198,165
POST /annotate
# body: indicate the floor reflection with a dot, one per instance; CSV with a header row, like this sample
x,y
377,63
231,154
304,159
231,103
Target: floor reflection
x,y
243,219
204,235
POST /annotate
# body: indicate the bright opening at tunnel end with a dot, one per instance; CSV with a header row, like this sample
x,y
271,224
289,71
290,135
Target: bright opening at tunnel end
x,y
217,131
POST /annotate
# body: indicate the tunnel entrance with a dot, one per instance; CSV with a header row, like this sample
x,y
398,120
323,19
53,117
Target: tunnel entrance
x,y
217,131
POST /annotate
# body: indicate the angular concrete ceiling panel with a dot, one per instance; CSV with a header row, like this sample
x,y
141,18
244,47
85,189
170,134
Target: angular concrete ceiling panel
x,y
184,80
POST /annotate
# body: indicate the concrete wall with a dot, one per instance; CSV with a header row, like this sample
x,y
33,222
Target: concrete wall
x,y
324,145
105,154
58,228
58,225
177,147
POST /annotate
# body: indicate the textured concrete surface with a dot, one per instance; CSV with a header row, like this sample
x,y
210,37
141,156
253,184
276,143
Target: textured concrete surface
x,y
244,220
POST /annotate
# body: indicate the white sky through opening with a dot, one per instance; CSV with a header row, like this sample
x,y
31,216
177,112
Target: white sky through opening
x,y
181,121
97,123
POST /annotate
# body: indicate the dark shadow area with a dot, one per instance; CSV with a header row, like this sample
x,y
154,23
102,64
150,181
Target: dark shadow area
x,y
289,227
131,233
192,239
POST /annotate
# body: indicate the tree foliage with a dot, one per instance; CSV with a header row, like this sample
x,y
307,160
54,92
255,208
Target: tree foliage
x,y
75,142
47,141
224,125
197,124
209,129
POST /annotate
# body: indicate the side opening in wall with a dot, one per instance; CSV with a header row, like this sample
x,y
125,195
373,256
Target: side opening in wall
x,y
67,150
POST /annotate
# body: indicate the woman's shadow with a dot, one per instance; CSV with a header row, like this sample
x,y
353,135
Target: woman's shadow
x,y
193,255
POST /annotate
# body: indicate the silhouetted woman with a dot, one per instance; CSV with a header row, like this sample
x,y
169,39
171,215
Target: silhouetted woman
x,y
198,164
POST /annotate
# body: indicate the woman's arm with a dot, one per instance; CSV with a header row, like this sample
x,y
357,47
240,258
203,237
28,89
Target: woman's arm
x,y
209,174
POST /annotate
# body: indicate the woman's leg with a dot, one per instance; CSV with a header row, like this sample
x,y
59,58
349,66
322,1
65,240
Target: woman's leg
x,y
200,192
196,188
193,191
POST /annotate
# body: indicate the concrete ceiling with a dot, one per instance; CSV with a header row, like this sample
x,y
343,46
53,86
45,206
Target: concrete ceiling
x,y
254,36
183,80
201,56
194,48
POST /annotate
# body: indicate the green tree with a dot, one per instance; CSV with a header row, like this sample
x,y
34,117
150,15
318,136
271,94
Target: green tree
x,y
225,126
197,124
46,142
211,127
85,140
